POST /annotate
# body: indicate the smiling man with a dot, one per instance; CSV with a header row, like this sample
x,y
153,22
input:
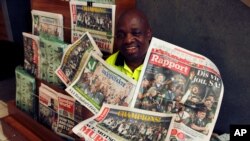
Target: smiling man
x,y
133,35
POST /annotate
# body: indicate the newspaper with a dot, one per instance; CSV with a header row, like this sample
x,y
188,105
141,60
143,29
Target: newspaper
x,y
26,98
50,55
31,50
100,83
175,80
66,118
74,57
98,19
48,108
47,24
98,1
58,111
119,123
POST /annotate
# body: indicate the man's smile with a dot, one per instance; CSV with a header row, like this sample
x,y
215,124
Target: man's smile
x,y
131,49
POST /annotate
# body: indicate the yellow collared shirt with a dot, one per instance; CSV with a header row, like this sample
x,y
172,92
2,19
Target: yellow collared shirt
x,y
124,68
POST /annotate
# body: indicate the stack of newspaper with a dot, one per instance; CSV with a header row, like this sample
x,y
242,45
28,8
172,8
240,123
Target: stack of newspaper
x,y
178,95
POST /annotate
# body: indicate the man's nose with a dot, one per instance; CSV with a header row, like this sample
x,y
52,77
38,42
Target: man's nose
x,y
129,38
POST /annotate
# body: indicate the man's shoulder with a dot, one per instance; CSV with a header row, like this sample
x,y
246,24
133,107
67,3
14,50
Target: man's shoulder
x,y
112,58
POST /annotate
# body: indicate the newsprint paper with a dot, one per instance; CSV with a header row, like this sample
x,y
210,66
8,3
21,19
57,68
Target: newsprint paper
x,y
47,24
74,57
119,123
175,80
100,83
98,19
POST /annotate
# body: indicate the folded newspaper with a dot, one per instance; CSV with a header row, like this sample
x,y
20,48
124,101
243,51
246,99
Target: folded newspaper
x,y
119,123
100,83
176,80
74,58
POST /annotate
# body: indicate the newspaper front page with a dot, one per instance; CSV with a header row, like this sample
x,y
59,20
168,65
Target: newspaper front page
x,y
57,111
98,19
175,80
119,123
74,58
31,51
47,24
48,108
98,1
100,83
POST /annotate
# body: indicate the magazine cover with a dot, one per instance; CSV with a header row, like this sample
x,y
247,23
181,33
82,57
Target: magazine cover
x,y
26,98
74,57
51,53
175,80
47,24
98,19
119,123
31,49
98,1
48,108
100,83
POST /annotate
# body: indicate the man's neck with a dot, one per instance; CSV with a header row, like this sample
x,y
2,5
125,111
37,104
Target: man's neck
x,y
135,64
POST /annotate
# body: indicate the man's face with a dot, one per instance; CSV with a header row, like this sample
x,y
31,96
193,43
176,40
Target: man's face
x,y
159,79
132,37
201,115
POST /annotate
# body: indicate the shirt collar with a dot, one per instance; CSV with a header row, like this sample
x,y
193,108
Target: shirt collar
x,y
119,60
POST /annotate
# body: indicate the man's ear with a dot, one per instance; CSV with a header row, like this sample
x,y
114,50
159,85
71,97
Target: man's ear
x,y
149,33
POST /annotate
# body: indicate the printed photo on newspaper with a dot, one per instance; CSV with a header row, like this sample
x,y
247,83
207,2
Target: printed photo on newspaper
x,y
98,19
74,58
47,24
119,123
175,80
100,83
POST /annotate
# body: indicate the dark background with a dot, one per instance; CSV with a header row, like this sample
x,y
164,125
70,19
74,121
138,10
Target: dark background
x,y
217,29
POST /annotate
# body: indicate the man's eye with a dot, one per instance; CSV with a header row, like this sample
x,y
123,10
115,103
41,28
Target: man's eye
x,y
120,35
137,33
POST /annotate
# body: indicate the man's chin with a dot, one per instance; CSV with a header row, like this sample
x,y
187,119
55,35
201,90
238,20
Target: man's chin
x,y
131,57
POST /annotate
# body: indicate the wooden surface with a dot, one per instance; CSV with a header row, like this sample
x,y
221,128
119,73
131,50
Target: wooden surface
x,y
16,131
62,7
31,125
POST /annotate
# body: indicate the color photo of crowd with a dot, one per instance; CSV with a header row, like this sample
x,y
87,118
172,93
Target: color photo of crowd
x,y
135,129
94,20
171,92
